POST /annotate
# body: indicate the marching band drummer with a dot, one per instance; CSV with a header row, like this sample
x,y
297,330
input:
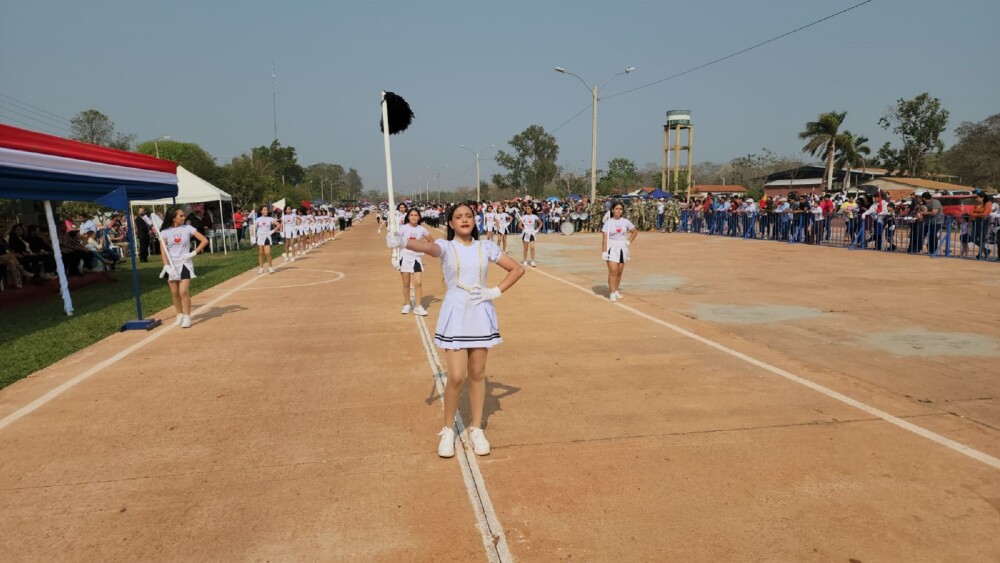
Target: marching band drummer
x,y
529,228
618,233
467,326
264,227
411,263
175,245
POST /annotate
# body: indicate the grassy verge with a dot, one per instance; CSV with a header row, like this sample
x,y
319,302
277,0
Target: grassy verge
x,y
39,334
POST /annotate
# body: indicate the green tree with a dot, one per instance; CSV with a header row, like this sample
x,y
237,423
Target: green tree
x,y
919,123
248,180
851,153
283,161
821,137
620,177
975,156
533,163
189,155
353,186
326,180
92,126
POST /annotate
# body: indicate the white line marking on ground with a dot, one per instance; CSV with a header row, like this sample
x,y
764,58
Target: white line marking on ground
x,y
340,276
494,539
157,333
909,426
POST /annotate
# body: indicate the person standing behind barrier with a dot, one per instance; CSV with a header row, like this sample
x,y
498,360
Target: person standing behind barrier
x,y
933,218
142,231
175,250
264,227
828,208
980,216
618,234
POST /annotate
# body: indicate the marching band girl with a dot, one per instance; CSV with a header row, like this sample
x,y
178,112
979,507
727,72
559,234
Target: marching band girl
x,y
288,233
264,227
503,223
618,233
490,219
530,224
467,326
411,263
175,245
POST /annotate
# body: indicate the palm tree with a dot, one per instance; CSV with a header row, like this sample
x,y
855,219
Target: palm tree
x,y
822,137
851,152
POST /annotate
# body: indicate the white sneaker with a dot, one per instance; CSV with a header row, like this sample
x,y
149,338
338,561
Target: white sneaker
x,y
613,297
270,270
525,263
479,443
532,263
406,308
292,259
178,320
446,448
186,321
618,294
419,310
260,270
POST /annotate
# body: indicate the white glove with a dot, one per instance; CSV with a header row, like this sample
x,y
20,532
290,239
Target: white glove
x,y
167,271
480,295
189,255
395,240
605,256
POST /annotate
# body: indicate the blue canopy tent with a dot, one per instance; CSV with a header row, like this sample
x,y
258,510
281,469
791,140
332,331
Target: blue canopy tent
x,y
574,196
657,194
44,167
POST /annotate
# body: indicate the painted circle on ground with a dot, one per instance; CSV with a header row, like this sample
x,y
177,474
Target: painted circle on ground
x,y
339,276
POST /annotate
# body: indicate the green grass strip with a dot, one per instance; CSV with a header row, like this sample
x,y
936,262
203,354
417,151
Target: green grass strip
x,y
39,334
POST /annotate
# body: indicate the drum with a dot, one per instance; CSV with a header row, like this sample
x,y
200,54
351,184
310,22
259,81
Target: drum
x,y
566,228
574,215
584,216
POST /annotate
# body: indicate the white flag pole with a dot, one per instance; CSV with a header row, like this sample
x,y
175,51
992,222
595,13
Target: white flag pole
x,y
393,220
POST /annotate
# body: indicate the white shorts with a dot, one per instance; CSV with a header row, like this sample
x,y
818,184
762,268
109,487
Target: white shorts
x,y
288,234
411,264
528,236
490,228
263,239
502,230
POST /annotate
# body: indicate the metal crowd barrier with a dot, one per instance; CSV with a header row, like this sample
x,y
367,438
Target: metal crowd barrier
x,y
950,236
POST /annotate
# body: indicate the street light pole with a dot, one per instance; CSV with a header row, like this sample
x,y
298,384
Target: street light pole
x,y
478,195
156,143
593,139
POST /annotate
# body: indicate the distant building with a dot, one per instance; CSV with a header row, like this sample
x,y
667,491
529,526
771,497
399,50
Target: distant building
x,y
904,187
810,178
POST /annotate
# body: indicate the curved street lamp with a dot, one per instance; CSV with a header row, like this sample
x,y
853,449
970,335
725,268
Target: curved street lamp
x,y
593,145
478,196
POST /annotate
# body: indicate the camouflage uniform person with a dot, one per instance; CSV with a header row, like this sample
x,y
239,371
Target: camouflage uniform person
x,y
671,215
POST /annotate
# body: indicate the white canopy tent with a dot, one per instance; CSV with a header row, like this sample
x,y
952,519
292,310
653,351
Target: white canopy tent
x,y
193,189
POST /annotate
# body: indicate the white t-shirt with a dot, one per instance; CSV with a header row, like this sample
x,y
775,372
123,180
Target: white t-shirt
x,y
178,240
503,219
263,224
413,233
288,221
531,223
617,229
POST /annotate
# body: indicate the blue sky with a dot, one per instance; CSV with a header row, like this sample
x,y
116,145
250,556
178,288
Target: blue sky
x,y
477,73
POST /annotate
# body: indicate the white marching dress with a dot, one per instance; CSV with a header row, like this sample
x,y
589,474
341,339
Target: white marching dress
x,y
461,323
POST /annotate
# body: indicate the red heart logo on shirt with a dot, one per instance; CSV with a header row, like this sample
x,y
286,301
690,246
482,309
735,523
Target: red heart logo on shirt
x,y
177,240
618,229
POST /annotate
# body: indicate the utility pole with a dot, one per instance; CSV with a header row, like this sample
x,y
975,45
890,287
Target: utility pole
x,y
274,101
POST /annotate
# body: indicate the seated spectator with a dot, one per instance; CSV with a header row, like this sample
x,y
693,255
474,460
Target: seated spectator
x,y
36,263
15,271
73,253
97,259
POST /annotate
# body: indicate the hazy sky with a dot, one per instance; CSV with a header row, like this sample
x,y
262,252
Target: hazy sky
x,y
477,73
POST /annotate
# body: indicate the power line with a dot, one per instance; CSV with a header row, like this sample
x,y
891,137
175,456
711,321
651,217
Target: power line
x,y
29,125
35,109
575,115
6,106
740,52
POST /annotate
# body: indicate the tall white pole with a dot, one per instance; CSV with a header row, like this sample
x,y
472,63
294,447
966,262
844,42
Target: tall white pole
x,y
57,252
593,153
274,102
477,177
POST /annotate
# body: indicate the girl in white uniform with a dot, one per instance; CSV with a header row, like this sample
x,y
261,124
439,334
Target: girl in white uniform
x,y
175,249
288,233
618,233
530,224
411,263
490,218
467,326
264,227
503,221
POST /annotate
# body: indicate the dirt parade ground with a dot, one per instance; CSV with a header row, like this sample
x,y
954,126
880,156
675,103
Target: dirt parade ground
x,y
746,401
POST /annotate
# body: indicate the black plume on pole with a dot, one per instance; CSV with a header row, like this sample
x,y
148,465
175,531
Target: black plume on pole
x,y
400,114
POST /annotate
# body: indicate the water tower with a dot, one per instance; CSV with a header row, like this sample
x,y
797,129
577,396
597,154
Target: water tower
x,y
677,120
